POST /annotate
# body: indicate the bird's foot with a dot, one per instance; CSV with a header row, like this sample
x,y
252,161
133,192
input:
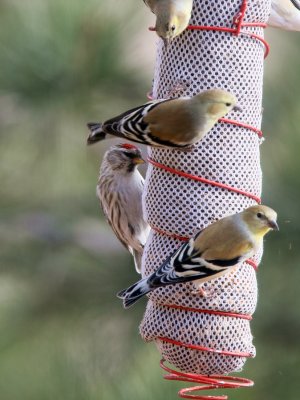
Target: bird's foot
x,y
206,293
187,149
180,86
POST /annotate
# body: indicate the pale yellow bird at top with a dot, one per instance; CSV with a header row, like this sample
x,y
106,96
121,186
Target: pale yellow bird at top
x,y
172,17
285,14
214,251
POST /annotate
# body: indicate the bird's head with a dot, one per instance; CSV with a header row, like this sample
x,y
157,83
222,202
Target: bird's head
x,y
166,30
170,25
124,157
217,102
260,219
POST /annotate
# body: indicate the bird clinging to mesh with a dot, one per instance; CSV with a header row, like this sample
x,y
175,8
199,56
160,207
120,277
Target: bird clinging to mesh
x,y
285,14
211,253
172,17
177,123
119,190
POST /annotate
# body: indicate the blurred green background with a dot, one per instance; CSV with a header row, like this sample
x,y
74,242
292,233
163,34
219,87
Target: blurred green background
x,y
63,333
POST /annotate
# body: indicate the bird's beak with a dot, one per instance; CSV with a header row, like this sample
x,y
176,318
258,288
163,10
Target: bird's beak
x,y
237,108
273,225
138,160
166,42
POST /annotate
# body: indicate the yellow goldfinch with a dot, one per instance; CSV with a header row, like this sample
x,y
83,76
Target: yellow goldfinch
x,y
119,190
285,14
172,17
177,122
211,253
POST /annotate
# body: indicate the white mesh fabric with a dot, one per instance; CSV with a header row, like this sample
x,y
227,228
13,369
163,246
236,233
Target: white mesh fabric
x,y
228,154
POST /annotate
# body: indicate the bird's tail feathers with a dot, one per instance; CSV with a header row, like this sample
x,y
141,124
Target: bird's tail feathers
x,y
96,133
134,292
129,302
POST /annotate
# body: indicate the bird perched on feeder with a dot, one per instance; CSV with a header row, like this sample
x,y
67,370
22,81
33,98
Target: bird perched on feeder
x,y
285,14
211,253
119,190
179,122
172,17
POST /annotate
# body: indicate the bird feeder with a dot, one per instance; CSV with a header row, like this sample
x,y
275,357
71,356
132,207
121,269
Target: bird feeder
x,y
206,338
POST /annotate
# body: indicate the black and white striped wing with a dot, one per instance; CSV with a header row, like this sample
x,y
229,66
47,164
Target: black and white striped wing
x,y
170,271
186,264
296,3
131,124
189,261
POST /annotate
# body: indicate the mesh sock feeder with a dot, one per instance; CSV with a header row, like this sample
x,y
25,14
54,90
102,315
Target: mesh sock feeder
x,y
206,338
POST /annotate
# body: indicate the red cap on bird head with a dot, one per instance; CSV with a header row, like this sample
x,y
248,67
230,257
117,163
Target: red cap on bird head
x,y
127,146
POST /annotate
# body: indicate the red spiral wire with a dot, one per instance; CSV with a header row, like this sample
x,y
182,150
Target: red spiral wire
x,y
235,31
238,24
185,239
204,348
212,312
212,382
242,125
204,180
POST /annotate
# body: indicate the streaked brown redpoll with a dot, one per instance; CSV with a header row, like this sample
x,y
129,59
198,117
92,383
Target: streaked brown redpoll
x,y
119,190
211,253
177,123
172,17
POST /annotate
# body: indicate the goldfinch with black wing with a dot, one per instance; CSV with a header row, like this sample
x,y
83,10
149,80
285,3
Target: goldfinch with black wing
x,y
176,123
172,17
213,252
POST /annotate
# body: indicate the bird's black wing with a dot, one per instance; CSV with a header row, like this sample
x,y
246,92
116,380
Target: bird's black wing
x,y
130,123
186,264
296,3
189,257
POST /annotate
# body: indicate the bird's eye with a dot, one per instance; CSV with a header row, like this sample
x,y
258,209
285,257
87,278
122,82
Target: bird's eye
x,y
173,27
129,155
259,215
228,104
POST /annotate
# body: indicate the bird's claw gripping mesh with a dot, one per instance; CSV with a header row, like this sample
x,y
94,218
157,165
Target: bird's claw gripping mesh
x,y
198,342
